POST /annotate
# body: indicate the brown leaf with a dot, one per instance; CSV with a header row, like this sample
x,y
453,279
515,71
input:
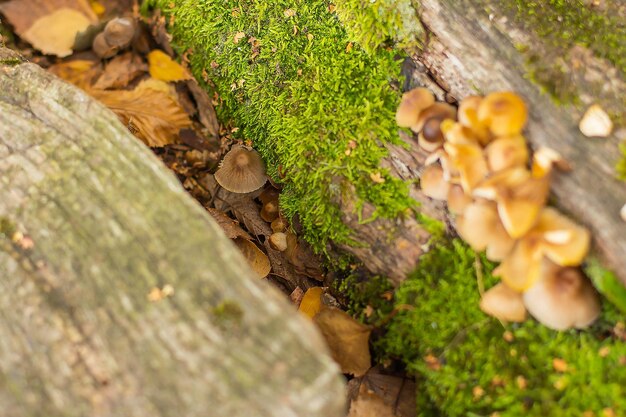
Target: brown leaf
x,y
150,111
121,71
21,14
206,111
347,340
257,260
230,227
311,303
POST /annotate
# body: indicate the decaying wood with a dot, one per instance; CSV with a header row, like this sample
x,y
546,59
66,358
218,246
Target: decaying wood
x,y
120,296
472,51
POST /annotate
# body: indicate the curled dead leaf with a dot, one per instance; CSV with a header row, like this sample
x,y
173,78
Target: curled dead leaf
x,y
347,339
257,260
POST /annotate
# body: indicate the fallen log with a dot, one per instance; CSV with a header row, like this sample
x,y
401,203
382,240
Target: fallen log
x,y
120,295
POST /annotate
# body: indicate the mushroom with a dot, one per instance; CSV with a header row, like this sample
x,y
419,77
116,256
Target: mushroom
x,y
470,162
506,152
279,225
482,229
278,241
468,117
431,138
102,48
119,32
458,134
544,159
504,113
241,170
562,298
519,195
437,110
412,103
457,199
433,183
596,122
504,304
269,211
555,237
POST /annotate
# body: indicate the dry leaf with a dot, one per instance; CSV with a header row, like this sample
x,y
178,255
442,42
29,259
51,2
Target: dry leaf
x,y
311,303
121,71
55,33
347,339
257,260
230,227
239,36
81,73
16,15
206,111
150,111
396,391
163,68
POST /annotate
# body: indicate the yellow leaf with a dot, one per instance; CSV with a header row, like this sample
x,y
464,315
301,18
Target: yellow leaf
x,y
81,73
311,302
347,339
257,260
97,7
55,33
163,68
152,113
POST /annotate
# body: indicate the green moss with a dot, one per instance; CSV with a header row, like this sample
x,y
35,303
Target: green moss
x,y
294,90
372,24
473,370
607,283
564,23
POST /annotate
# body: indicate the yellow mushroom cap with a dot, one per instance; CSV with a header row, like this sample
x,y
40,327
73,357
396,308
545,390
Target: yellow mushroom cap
x,y
412,103
562,298
469,161
503,112
468,117
241,171
520,197
555,237
504,304
437,110
433,183
507,152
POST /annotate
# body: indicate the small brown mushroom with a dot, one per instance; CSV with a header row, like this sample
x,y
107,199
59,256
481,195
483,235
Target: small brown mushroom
x,y
562,298
433,184
482,229
437,110
504,113
458,201
431,138
412,103
278,241
468,117
504,304
596,122
241,171
119,32
279,225
469,161
102,48
269,212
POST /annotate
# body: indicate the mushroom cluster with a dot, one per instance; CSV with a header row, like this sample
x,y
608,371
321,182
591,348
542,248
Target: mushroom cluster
x,y
480,164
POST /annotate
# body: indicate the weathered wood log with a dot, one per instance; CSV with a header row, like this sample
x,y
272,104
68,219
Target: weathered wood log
x,y
475,48
91,224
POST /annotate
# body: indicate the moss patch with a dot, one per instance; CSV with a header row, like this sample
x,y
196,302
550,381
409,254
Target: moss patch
x,y
372,24
468,368
314,108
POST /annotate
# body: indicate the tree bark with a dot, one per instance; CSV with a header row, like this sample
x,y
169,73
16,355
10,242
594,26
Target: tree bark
x,y
474,47
90,225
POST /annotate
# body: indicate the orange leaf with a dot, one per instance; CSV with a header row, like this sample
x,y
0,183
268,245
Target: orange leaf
x,y
163,68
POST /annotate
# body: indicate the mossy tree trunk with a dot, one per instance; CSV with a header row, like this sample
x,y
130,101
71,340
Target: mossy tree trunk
x,y
90,224
475,47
